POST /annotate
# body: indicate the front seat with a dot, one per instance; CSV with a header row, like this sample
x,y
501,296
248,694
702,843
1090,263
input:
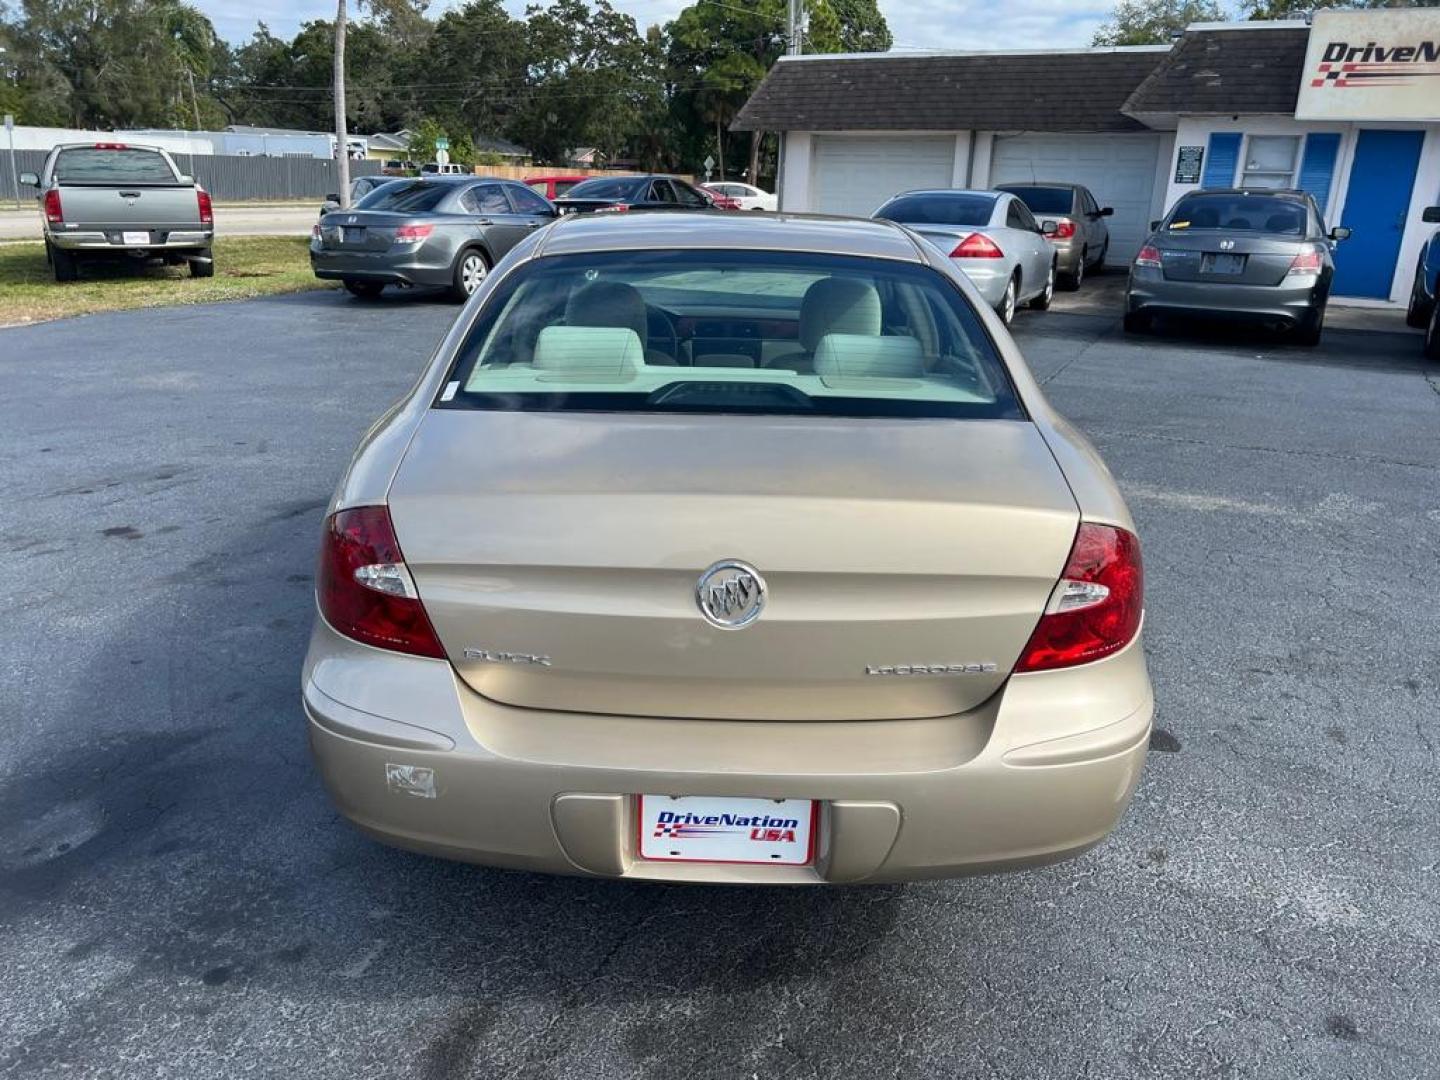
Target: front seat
x,y
613,303
831,306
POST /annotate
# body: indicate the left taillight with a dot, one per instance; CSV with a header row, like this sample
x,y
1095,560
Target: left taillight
x,y
54,213
364,587
1064,230
1096,606
207,208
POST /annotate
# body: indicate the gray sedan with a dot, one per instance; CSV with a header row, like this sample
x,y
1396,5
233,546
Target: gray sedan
x,y
1081,237
432,232
990,235
1260,256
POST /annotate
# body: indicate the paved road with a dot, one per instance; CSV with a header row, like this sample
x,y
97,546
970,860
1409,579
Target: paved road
x,y
229,221
177,898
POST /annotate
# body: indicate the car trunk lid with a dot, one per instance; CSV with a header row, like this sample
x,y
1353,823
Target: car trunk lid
x,y
1227,258
558,556
362,230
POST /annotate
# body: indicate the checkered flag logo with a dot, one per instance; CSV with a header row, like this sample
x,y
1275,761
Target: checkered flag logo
x,y
668,830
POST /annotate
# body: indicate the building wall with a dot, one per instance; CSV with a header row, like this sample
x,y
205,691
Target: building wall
x,y
1196,131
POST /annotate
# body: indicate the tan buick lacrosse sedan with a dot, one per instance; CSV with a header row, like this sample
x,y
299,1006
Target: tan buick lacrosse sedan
x,y
729,548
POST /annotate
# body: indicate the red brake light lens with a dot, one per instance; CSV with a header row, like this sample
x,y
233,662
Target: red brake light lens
x,y
977,246
364,588
618,208
111,146
1064,230
1149,256
207,208
53,213
410,234
1095,609
1307,262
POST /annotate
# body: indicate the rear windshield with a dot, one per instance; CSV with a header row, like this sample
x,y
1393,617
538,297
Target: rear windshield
x,y
405,198
1044,200
1238,213
730,332
605,188
90,165
939,209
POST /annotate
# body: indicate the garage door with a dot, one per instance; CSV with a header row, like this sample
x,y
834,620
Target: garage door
x,y
854,174
1118,169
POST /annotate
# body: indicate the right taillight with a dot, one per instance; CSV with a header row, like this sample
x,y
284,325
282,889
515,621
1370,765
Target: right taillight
x,y
1308,261
364,587
1149,256
1095,608
977,246
53,213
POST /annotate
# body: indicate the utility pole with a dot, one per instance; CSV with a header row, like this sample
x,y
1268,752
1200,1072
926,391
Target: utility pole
x,y
342,137
794,44
194,101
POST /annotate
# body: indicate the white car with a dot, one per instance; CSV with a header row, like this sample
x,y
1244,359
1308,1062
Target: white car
x,y
992,236
749,198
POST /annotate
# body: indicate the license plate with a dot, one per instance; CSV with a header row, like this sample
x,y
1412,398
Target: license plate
x,y
1222,264
135,238
703,828
352,236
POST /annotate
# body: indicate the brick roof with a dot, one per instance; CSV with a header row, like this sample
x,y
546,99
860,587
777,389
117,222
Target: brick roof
x,y
1226,71
1057,91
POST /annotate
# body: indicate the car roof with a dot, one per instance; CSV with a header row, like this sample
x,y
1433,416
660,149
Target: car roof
x,y
810,233
949,191
1011,185
1292,193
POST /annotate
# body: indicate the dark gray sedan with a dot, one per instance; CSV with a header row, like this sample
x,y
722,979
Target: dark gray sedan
x,y
432,232
1260,256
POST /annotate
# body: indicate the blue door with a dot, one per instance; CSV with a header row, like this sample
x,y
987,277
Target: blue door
x,y
1376,203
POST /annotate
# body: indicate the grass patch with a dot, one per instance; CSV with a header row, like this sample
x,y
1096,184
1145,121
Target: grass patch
x,y
245,266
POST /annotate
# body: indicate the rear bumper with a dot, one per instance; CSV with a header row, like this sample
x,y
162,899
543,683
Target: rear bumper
x,y
1039,773
1289,303
989,276
113,240
390,267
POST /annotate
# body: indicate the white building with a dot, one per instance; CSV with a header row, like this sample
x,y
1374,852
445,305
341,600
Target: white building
x,y
1348,109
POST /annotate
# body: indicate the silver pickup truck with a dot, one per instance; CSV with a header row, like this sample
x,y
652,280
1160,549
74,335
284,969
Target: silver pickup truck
x,y
121,200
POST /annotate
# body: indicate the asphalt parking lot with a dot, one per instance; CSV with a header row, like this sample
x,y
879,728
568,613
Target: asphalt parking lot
x,y
178,899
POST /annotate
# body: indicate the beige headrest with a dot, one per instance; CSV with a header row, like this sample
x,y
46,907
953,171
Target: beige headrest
x,y
838,306
609,303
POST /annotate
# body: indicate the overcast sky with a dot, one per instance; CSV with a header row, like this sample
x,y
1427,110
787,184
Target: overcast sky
x,y
946,24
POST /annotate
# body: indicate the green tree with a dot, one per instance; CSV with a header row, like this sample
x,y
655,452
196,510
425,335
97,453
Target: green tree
x,y
1154,22
1280,9
427,131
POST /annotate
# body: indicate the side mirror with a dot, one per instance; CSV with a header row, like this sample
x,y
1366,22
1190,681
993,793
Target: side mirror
x,y
1340,232
333,198
1107,211
1049,228
1154,225
29,179
1431,213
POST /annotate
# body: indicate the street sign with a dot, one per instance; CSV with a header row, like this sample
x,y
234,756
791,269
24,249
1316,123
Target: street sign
x,y
9,122
442,157
709,164
442,143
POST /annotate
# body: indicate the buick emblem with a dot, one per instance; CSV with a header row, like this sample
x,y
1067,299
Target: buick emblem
x,y
731,594
350,220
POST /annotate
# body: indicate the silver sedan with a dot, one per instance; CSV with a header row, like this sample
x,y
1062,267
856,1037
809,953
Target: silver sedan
x,y
990,235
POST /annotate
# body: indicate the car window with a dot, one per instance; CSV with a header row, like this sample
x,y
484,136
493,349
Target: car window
x,y
120,165
1087,202
486,199
661,191
564,187
854,337
405,196
1019,217
939,208
540,187
1043,200
1239,212
526,201
607,188
688,196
